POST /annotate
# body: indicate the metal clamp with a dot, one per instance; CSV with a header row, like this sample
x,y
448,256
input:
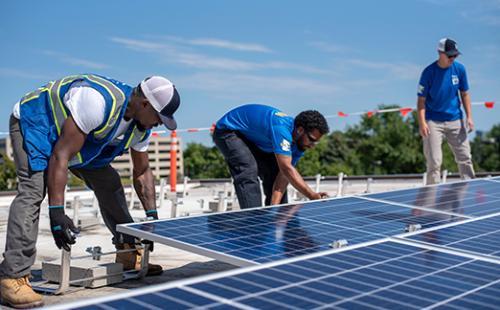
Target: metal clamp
x,y
340,243
413,227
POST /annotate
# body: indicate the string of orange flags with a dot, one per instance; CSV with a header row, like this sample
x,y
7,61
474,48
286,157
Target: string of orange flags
x,y
403,111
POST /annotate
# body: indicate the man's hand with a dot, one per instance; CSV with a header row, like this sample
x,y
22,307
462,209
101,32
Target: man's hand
x,y
320,195
470,124
62,228
424,129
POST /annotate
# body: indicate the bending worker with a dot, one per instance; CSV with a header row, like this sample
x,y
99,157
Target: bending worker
x,y
81,123
261,141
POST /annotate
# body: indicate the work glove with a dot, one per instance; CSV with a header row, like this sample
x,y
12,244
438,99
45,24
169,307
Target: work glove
x,y
150,215
62,228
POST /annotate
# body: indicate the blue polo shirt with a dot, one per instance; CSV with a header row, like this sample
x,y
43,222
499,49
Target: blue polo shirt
x,y
267,127
441,87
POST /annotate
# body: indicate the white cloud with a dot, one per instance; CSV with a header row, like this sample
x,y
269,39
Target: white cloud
x,y
248,86
405,71
174,54
9,72
246,47
75,61
330,47
140,45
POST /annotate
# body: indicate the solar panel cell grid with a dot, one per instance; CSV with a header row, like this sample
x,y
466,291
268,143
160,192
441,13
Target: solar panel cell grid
x,y
271,234
385,275
480,236
478,197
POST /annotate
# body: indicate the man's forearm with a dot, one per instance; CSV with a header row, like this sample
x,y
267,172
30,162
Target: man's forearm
x,y
298,182
145,188
467,104
57,180
279,188
421,110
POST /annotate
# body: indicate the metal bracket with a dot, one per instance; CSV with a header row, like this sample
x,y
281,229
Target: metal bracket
x,y
413,227
95,251
340,243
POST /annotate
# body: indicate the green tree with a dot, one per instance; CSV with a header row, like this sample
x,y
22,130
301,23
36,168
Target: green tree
x,y
8,175
204,162
486,150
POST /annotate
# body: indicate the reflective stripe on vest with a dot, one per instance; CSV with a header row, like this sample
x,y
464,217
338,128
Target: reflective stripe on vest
x,y
118,100
59,111
35,94
136,136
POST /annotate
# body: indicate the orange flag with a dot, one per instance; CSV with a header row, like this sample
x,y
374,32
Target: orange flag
x,y
405,111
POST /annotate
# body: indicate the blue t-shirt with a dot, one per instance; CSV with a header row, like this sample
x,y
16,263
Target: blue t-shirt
x,y
441,87
267,127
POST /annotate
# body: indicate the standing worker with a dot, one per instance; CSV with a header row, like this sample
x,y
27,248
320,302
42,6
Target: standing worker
x,y
261,141
81,123
442,89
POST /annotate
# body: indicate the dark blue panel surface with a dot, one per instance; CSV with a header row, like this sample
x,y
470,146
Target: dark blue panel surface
x,y
270,234
478,197
480,236
385,275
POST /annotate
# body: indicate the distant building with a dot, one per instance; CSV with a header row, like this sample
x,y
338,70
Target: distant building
x,y
159,159
6,147
158,151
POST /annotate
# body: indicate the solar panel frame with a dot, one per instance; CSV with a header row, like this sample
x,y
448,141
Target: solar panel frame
x,y
476,280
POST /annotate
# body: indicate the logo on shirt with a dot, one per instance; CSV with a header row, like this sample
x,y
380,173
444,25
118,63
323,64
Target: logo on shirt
x,y
454,79
281,114
285,145
421,89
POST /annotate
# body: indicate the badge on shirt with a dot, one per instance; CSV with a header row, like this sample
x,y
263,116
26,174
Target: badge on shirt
x,y
280,114
421,89
285,145
454,79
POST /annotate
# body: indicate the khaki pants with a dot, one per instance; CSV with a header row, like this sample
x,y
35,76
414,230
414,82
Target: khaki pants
x,y
456,136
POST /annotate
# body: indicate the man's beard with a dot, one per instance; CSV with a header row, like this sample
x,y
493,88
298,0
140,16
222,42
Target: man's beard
x,y
141,127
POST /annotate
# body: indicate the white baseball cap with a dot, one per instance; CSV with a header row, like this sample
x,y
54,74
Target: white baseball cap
x,y
449,47
164,98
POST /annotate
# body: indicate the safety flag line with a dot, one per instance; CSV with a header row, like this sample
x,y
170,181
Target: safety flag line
x,y
403,111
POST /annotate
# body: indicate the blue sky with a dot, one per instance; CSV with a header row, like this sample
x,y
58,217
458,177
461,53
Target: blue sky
x,y
296,55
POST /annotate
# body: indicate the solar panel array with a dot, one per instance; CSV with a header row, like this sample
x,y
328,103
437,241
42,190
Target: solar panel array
x,y
451,262
269,234
389,275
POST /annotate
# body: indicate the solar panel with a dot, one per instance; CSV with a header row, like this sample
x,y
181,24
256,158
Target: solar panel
x,y
480,236
389,274
268,234
469,198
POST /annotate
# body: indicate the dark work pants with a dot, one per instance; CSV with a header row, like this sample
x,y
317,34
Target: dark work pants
x,y
247,163
24,213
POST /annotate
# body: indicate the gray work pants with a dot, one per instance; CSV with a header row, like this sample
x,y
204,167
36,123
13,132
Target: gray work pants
x,y
455,134
22,225
247,163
